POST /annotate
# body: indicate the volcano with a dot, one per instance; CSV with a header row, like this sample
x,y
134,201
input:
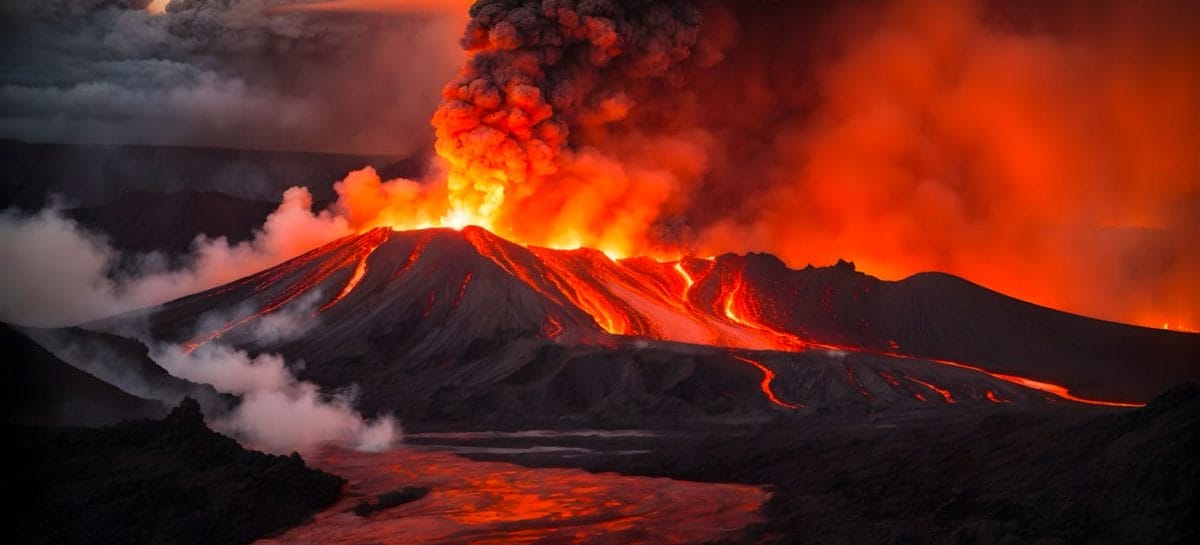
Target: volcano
x,y
443,324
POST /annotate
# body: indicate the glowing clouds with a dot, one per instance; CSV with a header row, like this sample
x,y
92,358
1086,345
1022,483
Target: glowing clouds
x,y
536,73
157,7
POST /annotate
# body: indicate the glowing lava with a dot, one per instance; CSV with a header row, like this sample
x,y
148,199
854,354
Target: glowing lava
x,y
359,272
701,302
991,396
768,377
330,259
940,391
499,503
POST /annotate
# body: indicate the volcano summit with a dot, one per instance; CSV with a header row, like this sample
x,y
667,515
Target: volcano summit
x,y
430,322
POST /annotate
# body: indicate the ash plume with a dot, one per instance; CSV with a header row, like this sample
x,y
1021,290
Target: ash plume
x,y
539,71
1040,148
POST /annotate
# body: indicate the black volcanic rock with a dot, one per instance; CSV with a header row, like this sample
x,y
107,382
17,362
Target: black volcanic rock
x,y
126,363
38,388
463,326
1055,476
391,499
170,481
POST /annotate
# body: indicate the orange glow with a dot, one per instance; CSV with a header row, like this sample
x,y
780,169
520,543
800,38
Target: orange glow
x,y
498,503
1047,387
336,256
941,391
553,328
765,385
359,272
889,378
739,307
991,396
462,290
687,280
157,7
703,302
413,257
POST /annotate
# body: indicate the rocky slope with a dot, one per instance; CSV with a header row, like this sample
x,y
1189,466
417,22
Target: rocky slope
x,y
430,323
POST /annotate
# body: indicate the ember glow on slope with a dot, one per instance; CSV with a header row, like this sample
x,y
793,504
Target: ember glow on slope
x,y
636,297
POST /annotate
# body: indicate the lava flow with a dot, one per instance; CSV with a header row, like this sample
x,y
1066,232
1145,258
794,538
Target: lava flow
x,y
726,301
940,391
491,502
332,259
768,377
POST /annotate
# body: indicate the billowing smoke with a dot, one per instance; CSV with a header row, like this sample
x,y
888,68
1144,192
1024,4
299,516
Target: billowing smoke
x,y
61,274
58,273
228,73
1043,149
539,72
277,412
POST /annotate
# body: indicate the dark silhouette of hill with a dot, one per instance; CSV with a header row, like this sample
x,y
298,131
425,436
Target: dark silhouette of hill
x,y
39,388
464,326
169,481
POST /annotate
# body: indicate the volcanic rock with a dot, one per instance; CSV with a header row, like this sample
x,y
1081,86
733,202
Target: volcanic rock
x,y
170,481
39,388
444,325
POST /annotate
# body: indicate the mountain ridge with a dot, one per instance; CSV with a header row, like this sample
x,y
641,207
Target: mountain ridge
x,y
408,314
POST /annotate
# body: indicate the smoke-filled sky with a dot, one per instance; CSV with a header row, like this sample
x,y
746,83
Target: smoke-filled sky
x,y
230,73
1045,149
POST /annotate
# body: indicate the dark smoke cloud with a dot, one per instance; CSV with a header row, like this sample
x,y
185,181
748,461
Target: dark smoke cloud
x,y
234,73
541,70
1045,149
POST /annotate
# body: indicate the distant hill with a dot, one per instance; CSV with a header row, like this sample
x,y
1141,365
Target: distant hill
x,y
88,175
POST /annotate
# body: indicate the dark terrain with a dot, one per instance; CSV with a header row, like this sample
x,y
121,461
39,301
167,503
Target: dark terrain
x,y
170,481
452,329
983,475
870,436
40,389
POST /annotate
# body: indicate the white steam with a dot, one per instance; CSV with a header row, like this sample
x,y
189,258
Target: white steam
x,y
56,273
278,413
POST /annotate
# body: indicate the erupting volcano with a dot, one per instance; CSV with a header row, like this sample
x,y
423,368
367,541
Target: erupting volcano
x,y
897,271
474,308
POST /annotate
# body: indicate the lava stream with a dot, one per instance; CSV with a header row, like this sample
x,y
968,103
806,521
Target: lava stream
x,y
941,391
991,396
639,297
347,251
359,272
768,377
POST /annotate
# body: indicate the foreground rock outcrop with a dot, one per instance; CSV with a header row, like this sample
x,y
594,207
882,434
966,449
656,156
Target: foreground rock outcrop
x,y
169,481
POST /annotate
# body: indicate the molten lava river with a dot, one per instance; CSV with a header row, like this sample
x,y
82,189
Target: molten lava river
x,y
492,503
